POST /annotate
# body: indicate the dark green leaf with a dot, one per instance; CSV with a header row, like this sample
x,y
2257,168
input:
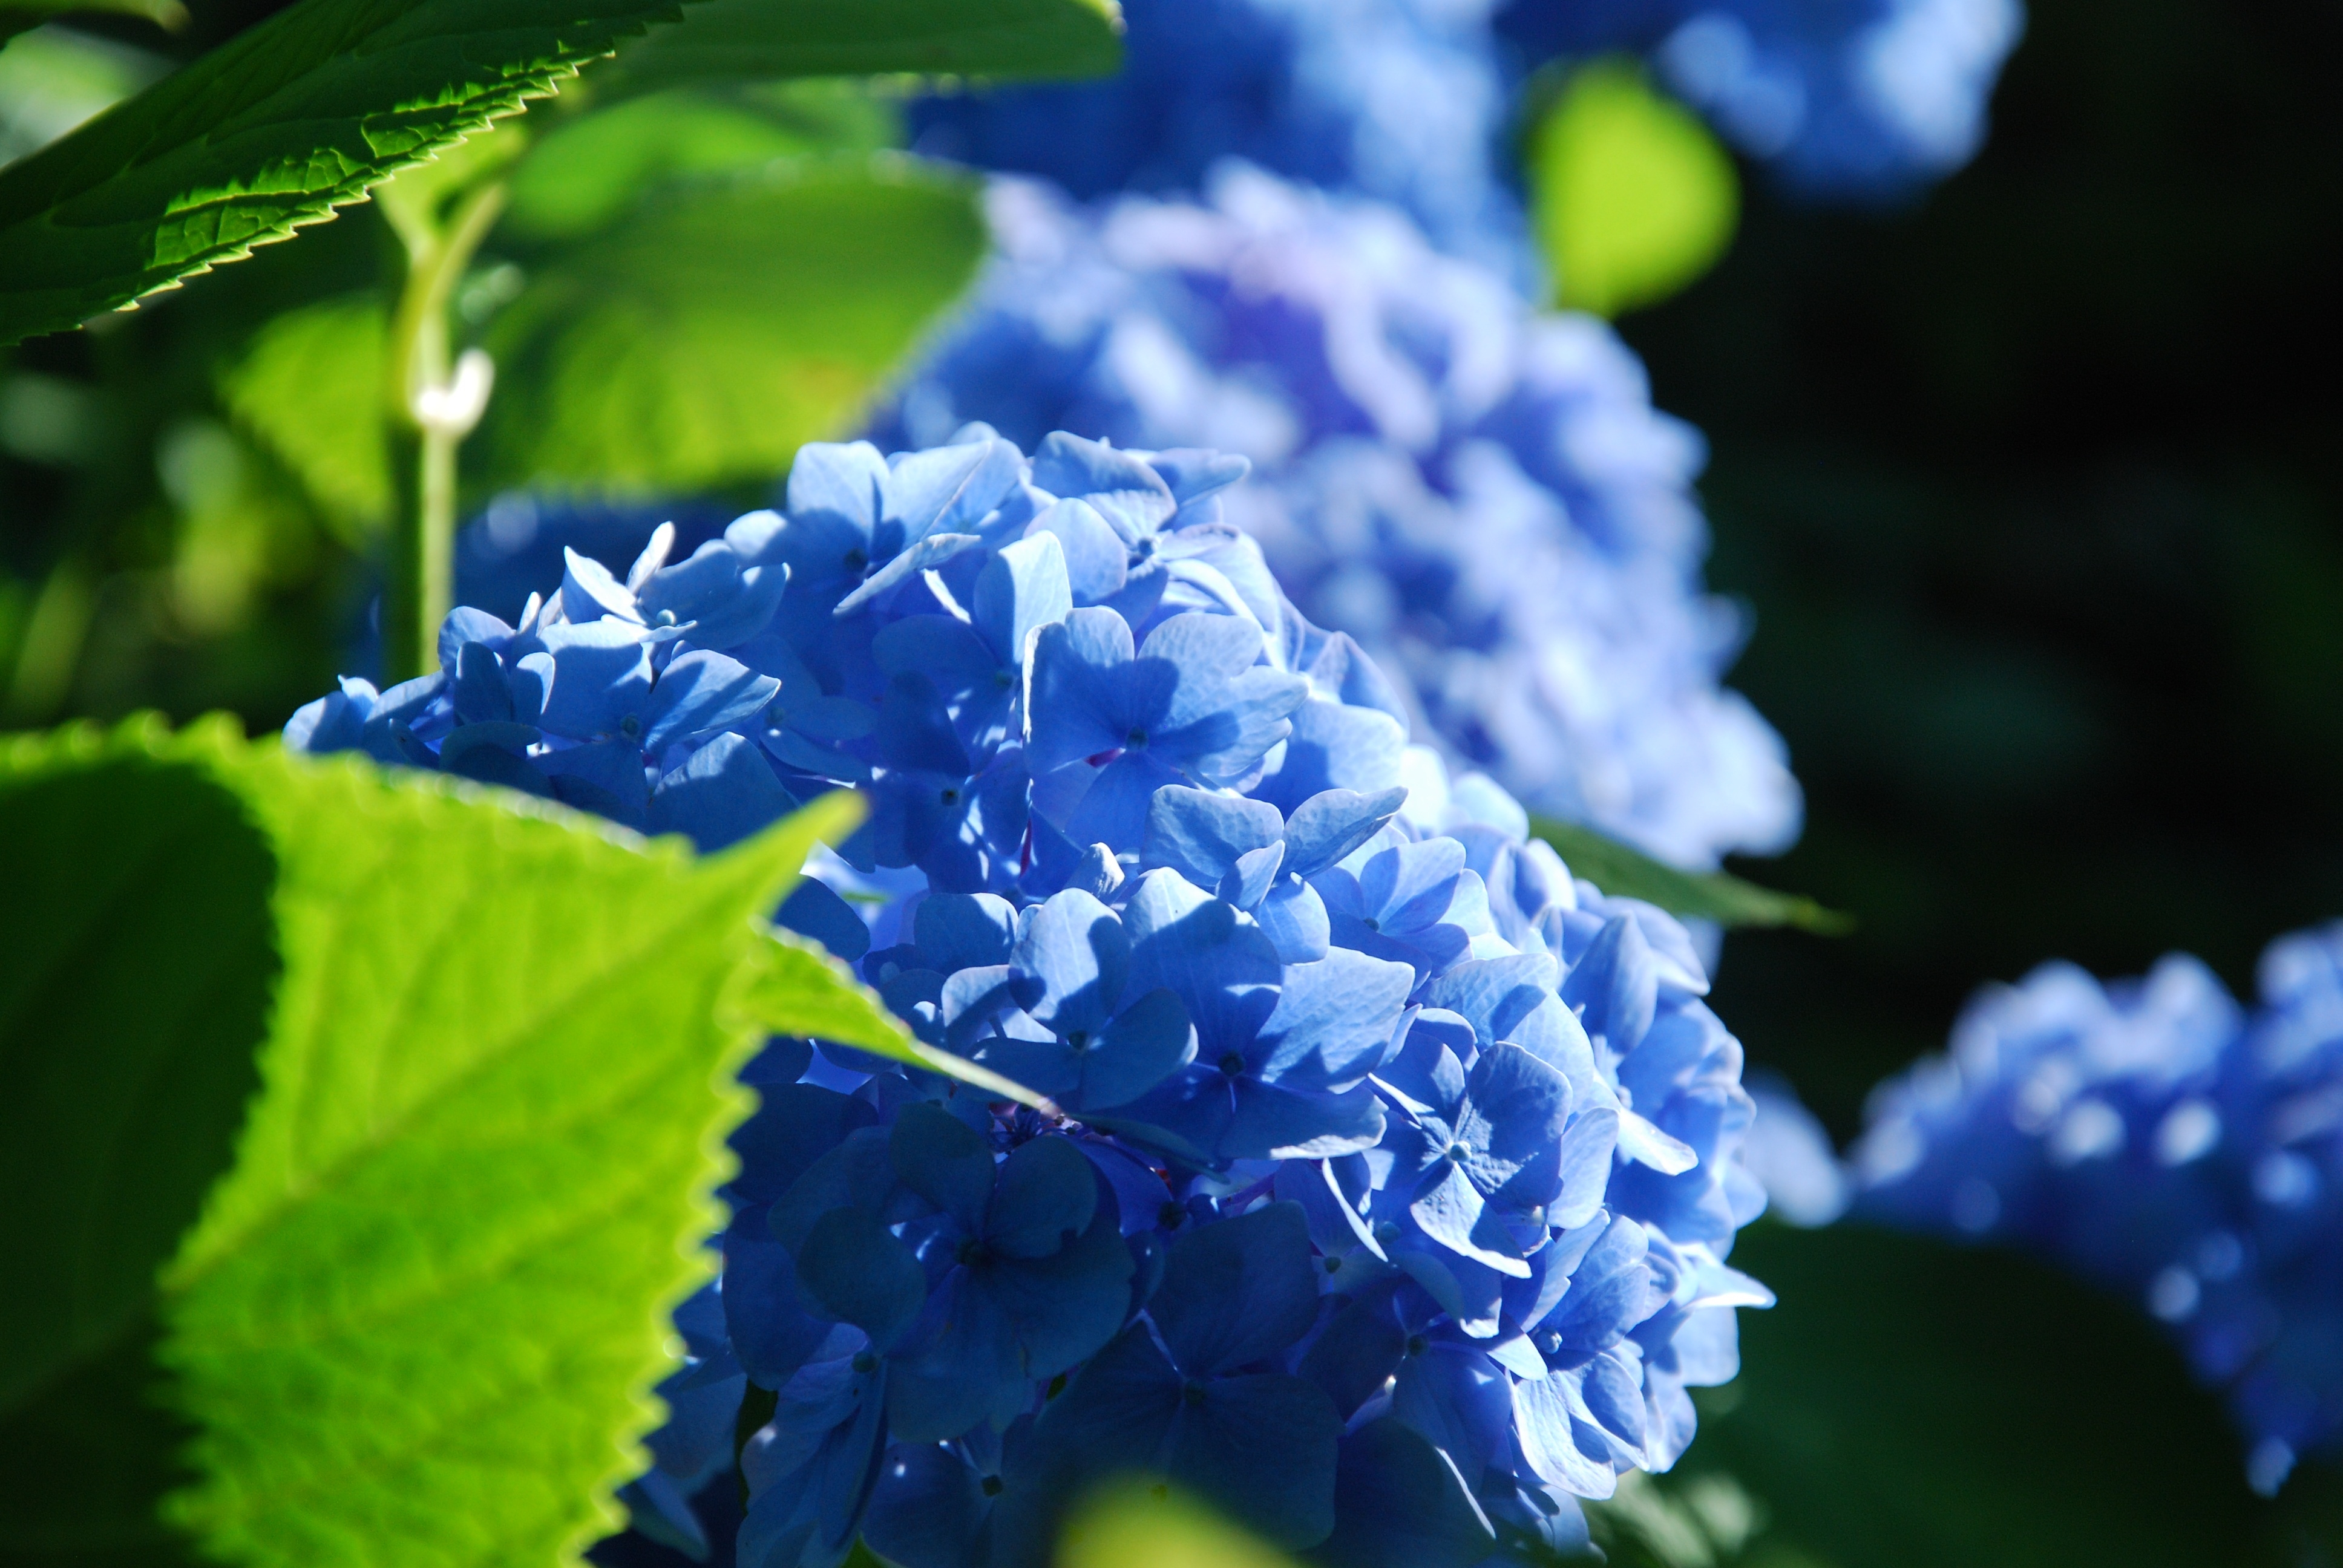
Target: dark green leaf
x,y
1624,871
17,15
767,38
299,116
589,168
137,960
708,338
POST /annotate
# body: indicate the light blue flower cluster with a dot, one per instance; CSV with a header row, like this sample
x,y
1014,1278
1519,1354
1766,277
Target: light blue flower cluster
x,y
2155,1138
1399,100
1386,1175
1863,99
1408,101
1481,495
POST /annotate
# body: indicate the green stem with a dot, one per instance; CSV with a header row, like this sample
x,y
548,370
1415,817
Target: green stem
x,y
421,584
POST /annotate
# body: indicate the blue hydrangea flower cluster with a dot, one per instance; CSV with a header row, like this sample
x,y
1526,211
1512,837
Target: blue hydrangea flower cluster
x,y
1481,495
1411,101
1399,100
1385,1174
2155,1137
1869,100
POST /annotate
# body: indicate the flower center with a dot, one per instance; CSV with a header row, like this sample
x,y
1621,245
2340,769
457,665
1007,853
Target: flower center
x,y
855,560
1232,1064
1193,1392
1457,1152
1136,737
865,1363
631,727
1080,1040
990,1485
950,796
1417,1345
1372,923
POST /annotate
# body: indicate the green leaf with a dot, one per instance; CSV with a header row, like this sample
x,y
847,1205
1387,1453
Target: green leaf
x,y
704,341
1631,197
137,960
17,16
311,389
804,991
767,38
1624,871
418,1318
589,168
1916,1404
296,117
1136,1524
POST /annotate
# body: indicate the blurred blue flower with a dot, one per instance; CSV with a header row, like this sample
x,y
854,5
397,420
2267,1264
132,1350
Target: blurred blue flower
x,y
2155,1138
1482,496
1870,100
1401,100
1386,1175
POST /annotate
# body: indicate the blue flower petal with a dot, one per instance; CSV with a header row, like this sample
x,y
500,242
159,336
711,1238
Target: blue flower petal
x,y
1077,706
1335,1021
944,1160
1021,589
1262,1448
1096,559
1200,833
1237,1292
726,792
1399,1502
1130,494
701,690
861,1275
1221,966
1076,948
1046,1196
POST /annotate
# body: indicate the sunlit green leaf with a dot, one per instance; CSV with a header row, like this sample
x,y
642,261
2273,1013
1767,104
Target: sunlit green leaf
x,y
767,38
708,337
417,1317
1631,196
1622,870
302,114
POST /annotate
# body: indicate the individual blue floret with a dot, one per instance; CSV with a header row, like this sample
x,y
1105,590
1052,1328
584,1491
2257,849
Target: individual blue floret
x,y
1480,495
2155,1138
1400,100
1378,1176
1851,99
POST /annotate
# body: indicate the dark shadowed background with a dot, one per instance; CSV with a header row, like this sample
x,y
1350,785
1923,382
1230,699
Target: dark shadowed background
x,y
2036,491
